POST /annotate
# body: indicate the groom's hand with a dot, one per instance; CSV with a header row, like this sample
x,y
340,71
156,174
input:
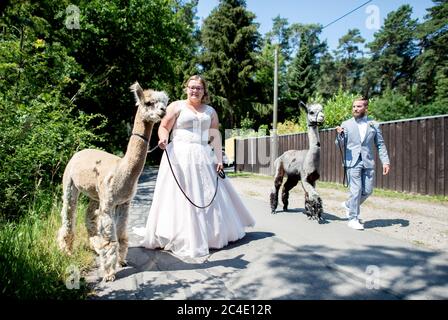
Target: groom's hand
x,y
163,143
339,129
386,169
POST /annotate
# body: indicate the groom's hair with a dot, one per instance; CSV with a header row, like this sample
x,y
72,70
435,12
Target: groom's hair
x,y
363,99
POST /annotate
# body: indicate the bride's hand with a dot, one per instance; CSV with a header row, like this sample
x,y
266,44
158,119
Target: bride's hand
x,y
219,167
163,143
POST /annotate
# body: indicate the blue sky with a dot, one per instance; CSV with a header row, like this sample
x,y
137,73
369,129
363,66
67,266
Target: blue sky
x,y
324,12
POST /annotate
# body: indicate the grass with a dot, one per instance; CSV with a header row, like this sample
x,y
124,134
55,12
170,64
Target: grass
x,y
336,186
32,266
247,175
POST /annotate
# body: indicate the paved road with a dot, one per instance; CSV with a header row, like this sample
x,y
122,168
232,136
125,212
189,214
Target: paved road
x,y
285,256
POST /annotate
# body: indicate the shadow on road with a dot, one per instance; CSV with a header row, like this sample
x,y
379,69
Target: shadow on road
x,y
296,274
326,217
381,223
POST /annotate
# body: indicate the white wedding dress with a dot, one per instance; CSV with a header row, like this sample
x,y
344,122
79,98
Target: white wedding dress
x,y
174,223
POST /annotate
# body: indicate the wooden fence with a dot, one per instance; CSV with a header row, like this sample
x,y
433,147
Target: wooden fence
x,y
418,152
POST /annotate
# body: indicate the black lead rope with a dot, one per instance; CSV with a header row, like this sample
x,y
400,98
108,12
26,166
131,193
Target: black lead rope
x,y
344,179
220,174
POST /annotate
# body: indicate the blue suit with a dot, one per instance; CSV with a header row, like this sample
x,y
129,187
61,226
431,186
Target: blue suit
x,y
360,161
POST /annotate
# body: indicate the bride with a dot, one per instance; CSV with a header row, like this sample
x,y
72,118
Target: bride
x,y
174,223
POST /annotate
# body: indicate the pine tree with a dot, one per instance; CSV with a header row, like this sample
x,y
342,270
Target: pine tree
x,y
328,80
278,37
349,62
230,40
280,34
301,77
393,52
432,62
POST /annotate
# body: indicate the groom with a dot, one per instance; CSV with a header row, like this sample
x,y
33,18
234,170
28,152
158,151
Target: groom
x,y
358,135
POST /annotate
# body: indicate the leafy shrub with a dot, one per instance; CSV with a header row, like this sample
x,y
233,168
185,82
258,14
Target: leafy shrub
x,y
36,142
338,109
289,127
263,130
390,106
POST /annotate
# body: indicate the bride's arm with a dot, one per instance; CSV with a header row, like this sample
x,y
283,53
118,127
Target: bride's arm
x,y
167,124
215,137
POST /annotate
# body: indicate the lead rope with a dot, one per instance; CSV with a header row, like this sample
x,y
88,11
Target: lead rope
x,y
151,150
344,179
178,184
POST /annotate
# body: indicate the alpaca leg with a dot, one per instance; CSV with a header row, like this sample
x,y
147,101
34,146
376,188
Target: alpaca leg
x,y
308,206
317,202
108,250
122,222
92,224
66,234
290,183
313,202
279,173
310,190
274,193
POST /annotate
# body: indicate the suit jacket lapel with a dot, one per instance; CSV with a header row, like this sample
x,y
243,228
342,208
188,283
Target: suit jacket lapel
x,y
369,131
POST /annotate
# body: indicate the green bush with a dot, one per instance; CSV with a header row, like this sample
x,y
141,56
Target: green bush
x,y
263,130
338,109
432,109
36,142
289,127
391,106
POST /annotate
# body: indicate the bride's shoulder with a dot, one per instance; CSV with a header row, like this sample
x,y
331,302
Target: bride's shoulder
x,y
212,113
176,106
210,109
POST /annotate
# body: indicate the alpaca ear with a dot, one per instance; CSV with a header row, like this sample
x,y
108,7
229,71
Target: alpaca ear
x,y
138,93
303,105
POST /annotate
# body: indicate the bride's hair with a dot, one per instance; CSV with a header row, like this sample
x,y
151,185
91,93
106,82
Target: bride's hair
x,y
205,97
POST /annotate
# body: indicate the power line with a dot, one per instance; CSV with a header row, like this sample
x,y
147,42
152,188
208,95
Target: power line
x,y
346,14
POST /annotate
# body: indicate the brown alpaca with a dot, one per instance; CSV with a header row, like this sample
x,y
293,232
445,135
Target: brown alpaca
x,y
110,182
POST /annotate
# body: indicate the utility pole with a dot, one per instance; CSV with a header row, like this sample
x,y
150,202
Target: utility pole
x,y
274,149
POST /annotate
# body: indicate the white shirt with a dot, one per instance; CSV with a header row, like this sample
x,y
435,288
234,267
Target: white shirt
x,y
362,126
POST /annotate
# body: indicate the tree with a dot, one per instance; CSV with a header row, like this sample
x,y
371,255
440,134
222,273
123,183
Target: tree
x,y
328,80
280,35
393,53
54,79
349,64
432,61
391,105
230,40
40,128
301,78
119,42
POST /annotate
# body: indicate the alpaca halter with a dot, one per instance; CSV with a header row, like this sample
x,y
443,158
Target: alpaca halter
x,y
315,123
140,136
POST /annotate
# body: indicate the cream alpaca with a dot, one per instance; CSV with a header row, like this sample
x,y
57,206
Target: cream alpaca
x,y
110,182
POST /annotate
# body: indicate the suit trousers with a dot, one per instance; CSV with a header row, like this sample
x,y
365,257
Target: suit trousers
x,y
361,181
